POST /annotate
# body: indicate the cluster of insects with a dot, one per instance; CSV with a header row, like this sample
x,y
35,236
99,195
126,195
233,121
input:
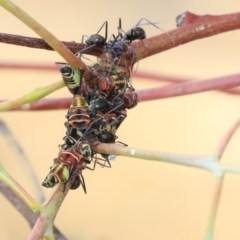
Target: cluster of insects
x,y
98,107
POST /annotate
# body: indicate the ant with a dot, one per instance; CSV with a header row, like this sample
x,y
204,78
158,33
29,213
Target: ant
x,y
96,39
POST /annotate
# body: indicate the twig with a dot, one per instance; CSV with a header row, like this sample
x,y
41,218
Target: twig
x,y
24,161
189,87
227,137
44,33
29,216
199,161
45,104
171,90
48,213
18,190
39,43
31,96
214,208
191,27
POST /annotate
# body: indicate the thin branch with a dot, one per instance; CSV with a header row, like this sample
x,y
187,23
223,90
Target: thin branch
x,y
29,216
199,161
171,79
49,213
18,190
64,103
214,208
154,76
191,27
28,66
189,87
25,211
31,96
171,90
225,140
137,74
4,130
45,104
39,43
43,33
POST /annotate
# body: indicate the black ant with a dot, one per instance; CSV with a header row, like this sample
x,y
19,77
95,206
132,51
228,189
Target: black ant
x,y
96,39
133,34
100,41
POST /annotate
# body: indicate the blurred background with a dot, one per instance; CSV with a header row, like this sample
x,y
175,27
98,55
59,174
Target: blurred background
x,y
135,199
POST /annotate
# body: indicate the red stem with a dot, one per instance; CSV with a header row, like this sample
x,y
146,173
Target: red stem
x,y
190,27
190,87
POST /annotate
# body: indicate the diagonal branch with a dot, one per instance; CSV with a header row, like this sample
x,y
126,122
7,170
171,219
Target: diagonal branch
x,y
171,90
190,27
43,33
5,131
31,96
189,87
29,216
227,137
48,213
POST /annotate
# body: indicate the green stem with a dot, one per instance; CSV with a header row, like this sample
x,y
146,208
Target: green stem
x,y
214,208
32,96
44,33
19,191
44,224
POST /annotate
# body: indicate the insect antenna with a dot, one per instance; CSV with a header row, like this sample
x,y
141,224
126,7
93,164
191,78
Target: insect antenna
x,y
120,30
153,24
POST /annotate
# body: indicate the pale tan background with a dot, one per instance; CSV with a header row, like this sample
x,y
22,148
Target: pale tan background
x,y
135,199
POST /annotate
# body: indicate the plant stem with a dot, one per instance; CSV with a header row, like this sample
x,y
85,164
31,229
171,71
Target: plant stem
x,y
44,33
189,87
19,191
214,208
32,96
227,137
27,168
44,224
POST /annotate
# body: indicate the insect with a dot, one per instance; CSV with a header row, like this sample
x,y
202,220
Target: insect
x,y
67,167
118,100
117,56
130,99
78,114
98,108
71,76
82,125
135,33
102,90
101,76
96,39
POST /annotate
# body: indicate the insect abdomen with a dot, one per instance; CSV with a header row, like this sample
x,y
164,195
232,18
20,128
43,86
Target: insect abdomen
x,y
59,173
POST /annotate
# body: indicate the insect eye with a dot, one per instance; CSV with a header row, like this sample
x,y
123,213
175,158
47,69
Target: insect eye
x,y
65,70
